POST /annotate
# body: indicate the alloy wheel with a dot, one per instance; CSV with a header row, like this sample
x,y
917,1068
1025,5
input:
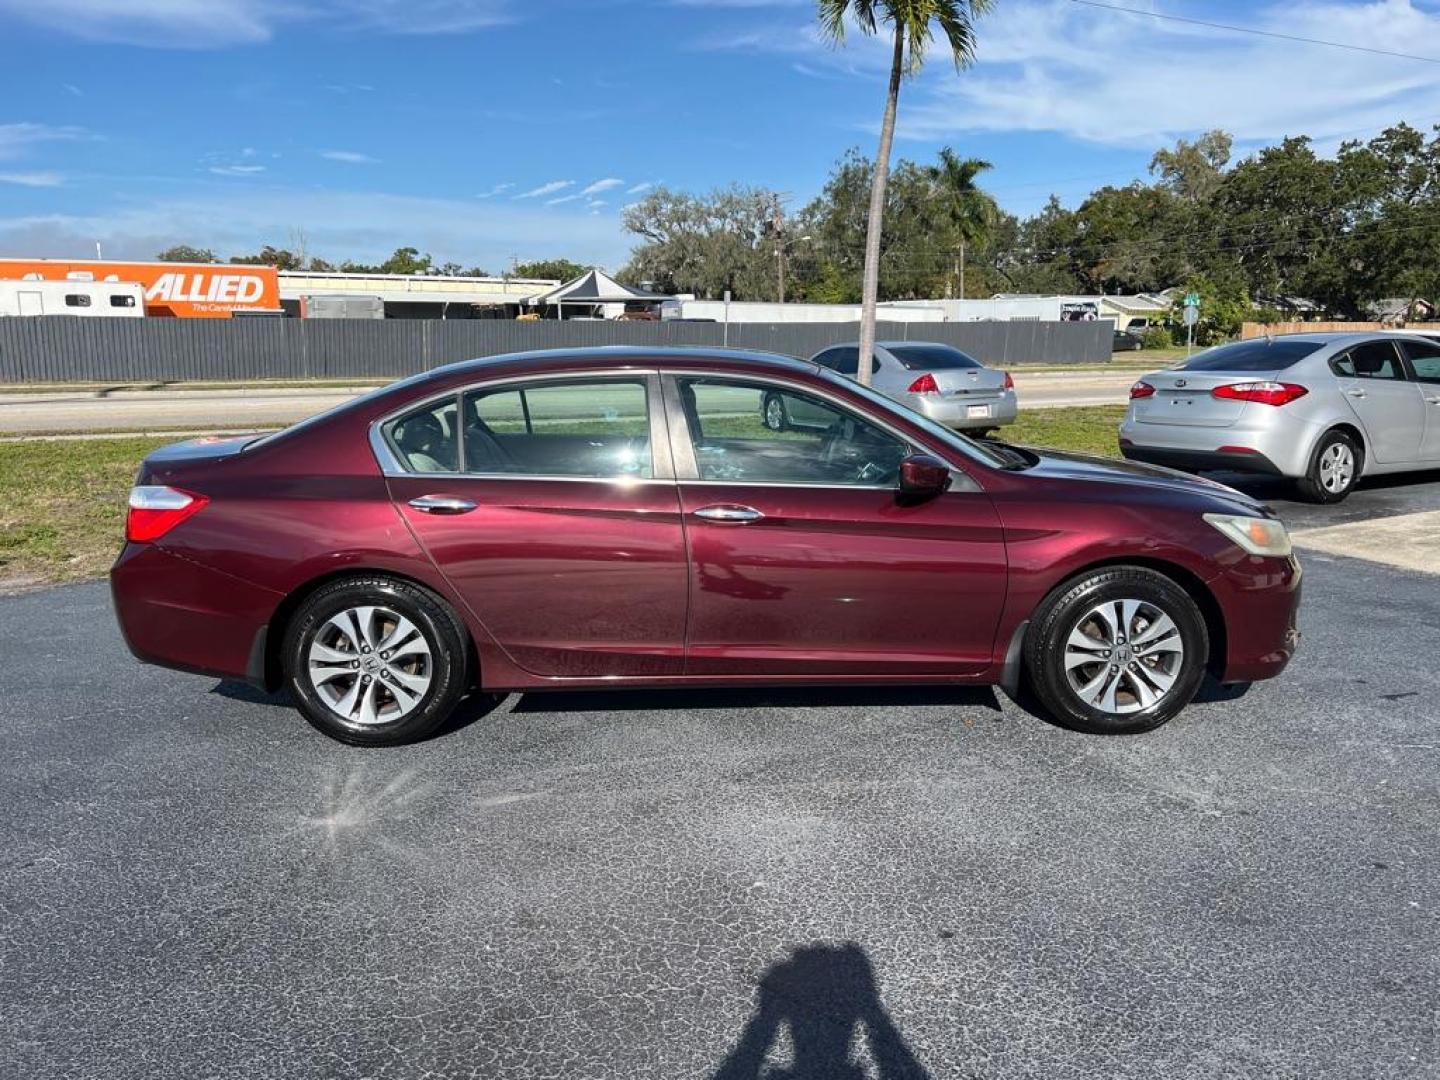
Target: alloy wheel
x,y
1123,656
370,665
774,414
1337,467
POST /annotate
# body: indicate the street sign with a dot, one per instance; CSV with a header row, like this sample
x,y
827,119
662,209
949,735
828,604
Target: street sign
x,y
1192,300
1192,315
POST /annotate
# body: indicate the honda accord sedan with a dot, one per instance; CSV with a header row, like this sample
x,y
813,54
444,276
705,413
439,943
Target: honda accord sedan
x,y
624,518
1322,409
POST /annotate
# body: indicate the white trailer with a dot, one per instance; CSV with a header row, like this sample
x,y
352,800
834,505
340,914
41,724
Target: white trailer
x,y
86,299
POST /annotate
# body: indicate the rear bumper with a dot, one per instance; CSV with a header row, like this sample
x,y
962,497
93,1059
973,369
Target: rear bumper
x,y
954,410
1201,460
176,613
1260,602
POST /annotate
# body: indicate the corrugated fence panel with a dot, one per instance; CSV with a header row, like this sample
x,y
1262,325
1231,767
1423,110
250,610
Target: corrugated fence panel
x,y
52,349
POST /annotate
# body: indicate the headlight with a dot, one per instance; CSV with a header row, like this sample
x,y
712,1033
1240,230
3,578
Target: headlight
x,y
1258,536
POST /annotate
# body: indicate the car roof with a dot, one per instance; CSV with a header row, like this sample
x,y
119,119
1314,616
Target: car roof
x,y
606,356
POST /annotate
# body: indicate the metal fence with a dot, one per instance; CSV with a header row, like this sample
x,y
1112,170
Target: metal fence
x,y
59,349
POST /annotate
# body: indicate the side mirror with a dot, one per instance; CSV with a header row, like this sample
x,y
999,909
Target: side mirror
x,y
923,476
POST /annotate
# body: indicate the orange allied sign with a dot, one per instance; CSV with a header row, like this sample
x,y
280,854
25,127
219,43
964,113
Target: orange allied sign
x,y
179,290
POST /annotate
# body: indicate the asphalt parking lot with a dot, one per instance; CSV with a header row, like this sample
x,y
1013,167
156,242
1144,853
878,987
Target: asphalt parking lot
x,y
932,882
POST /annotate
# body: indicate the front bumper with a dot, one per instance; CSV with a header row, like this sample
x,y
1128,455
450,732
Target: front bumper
x,y
1260,603
954,410
176,613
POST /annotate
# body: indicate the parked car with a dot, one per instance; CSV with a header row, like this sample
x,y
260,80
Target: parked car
x,y
621,517
1125,341
937,381
1323,409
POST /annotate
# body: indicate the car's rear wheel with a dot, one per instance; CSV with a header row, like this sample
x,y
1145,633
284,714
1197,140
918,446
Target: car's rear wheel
x,y
1334,469
1117,652
774,414
375,661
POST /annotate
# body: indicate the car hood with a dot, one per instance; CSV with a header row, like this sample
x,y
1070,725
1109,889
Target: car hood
x,y
1053,464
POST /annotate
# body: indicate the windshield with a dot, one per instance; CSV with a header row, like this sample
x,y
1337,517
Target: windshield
x,y
965,445
920,357
1261,354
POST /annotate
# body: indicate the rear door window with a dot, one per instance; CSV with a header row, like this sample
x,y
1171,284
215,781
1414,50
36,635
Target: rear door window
x,y
426,440
596,428
1372,360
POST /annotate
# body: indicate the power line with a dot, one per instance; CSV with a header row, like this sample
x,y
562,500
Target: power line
x,y
1253,30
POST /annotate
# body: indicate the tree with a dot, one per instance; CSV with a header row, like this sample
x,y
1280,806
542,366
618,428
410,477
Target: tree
x,y
1194,170
703,244
186,253
279,258
911,21
969,211
549,269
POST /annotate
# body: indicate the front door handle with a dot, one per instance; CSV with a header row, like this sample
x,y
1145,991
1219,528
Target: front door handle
x,y
1355,393
729,512
442,504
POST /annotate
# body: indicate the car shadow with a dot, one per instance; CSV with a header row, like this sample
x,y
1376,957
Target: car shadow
x,y
821,996
473,707
781,697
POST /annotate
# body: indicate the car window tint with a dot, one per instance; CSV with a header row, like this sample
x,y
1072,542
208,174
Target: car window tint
x,y
1425,359
815,443
1373,360
925,357
846,360
1261,354
425,440
594,428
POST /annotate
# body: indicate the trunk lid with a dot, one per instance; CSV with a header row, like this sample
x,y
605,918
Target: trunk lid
x,y
978,383
1184,398
181,456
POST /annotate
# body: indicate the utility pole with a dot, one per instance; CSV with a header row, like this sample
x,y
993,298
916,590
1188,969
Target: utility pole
x,y
778,225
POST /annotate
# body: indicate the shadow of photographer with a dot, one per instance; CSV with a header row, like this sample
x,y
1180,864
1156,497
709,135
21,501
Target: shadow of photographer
x,y
822,995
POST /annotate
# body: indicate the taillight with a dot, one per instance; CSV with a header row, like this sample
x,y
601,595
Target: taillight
x,y
1266,393
925,384
155,510
1009,382
1141,389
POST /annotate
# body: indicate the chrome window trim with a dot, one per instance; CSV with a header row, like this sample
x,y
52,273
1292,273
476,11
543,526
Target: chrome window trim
x,y
660,461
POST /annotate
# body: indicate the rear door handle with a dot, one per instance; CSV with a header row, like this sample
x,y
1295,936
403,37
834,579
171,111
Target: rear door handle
x,y
729,512
1355,393
442,504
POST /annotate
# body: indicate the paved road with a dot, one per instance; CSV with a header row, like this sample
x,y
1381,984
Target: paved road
x,y
167,410
194,883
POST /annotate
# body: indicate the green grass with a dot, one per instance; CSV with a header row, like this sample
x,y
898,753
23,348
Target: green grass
x,y
1092,429
62,504
62,507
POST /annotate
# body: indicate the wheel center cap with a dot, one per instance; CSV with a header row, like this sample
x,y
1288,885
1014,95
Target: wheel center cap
x,y
1124,654
371,664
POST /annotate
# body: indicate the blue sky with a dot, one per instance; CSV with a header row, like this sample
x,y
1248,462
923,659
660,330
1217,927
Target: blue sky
x,y
485,129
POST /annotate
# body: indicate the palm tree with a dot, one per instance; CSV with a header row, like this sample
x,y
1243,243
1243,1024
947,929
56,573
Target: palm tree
x,y
965,206
911,20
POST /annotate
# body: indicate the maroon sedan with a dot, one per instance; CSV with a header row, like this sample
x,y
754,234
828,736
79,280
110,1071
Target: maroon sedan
x,y
623,517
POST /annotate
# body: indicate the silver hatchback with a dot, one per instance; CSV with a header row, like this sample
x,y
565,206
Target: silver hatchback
x,y
938,381
1323,409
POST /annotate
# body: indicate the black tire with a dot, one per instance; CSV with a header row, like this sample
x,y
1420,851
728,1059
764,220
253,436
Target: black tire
x,y
1319,484
773,413
1065,610
445,667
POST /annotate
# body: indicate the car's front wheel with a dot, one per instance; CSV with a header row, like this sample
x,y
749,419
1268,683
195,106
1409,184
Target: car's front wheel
x,y
774,413
1117,652
375,661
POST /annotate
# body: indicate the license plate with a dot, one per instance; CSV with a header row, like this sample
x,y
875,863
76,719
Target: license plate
x,y
973,411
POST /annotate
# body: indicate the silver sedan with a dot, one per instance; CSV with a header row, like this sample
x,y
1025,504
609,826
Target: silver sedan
x,y
938,381
1323,409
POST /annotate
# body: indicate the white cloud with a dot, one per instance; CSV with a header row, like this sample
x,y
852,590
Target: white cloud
x,y
639,189
602,185
349,157
204,24
32,179
236,170
72,89
498,189
366,226
545,189
17,140
562,199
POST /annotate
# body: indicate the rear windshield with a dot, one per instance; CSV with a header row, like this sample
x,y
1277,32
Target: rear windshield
x,y
1257,355
931,357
